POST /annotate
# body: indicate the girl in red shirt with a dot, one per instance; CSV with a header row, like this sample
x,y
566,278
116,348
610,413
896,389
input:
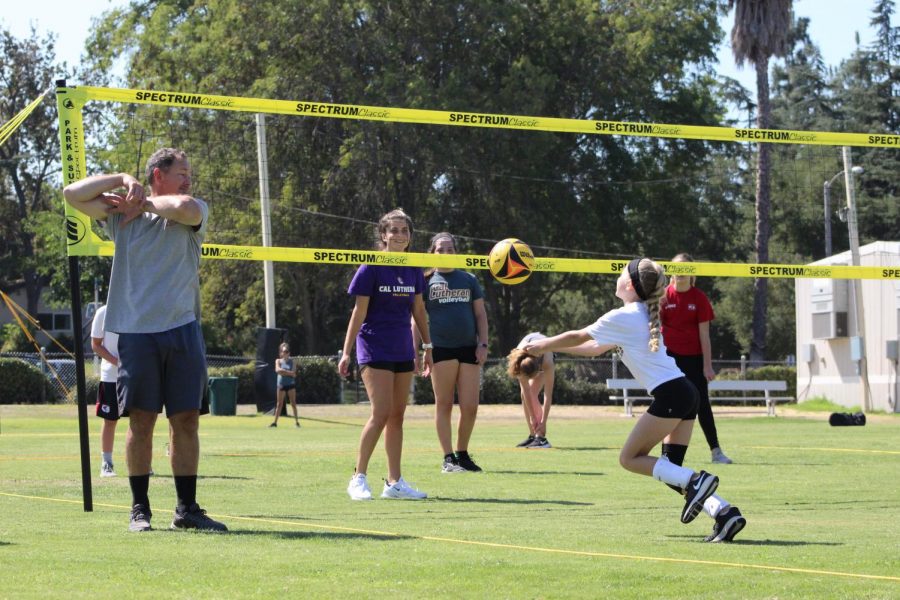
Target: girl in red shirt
x,y
685,313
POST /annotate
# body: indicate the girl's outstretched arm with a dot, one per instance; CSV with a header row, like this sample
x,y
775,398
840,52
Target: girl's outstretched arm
x,y
590,348
561,342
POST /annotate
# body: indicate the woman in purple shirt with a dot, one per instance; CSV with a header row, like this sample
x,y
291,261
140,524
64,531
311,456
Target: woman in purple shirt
x,y
386,297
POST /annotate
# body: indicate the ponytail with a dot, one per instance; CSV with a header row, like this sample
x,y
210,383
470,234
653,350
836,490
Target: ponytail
x,y
653,280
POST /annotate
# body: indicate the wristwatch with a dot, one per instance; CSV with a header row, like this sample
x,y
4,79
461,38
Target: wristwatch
x,y
428,346
483,344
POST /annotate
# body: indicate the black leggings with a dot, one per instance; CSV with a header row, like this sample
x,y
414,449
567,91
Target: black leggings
x,y
692,367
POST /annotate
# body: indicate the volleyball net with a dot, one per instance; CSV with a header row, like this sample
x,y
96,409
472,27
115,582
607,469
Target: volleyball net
x,y
313,150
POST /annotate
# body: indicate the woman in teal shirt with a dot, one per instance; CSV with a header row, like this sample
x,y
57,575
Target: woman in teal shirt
x,y
459,330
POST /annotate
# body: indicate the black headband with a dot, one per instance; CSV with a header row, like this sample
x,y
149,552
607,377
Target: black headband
x,y
636,278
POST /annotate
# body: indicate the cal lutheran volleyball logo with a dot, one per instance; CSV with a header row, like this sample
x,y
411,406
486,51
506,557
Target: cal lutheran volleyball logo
x,y
76,229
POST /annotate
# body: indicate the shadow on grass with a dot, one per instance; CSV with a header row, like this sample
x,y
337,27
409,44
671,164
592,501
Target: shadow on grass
x,y
330,422
777,543
509,501
545,473
781,464
326,535
225,477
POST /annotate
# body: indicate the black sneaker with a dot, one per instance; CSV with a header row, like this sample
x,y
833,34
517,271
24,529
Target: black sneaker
x,y
451,465
540,442
195,517
728,524
526,442
698,490
465,461
140,518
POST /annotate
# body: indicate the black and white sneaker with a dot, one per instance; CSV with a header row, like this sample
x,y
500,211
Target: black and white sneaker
x,y
539,442
698,490
728,524
194,517
451,465
140,518
526,442
465,461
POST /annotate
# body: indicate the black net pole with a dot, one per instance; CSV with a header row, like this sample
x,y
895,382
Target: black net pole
x,y
74,278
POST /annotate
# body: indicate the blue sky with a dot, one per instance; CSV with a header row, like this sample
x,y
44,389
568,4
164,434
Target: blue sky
x,y
834,24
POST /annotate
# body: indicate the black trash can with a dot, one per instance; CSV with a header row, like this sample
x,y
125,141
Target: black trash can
x,y
223,395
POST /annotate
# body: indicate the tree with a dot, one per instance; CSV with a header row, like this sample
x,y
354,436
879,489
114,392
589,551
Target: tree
x,y
28,161
760,31
867,98
330,178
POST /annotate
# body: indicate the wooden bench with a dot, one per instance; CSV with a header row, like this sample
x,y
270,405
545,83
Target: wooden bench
x,y
742,385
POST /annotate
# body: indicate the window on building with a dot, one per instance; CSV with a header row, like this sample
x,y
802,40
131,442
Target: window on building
x,y
62,321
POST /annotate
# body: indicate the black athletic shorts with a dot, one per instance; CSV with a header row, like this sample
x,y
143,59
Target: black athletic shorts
x,y
163,370
394,366
287,388
108,405
465,354
675,399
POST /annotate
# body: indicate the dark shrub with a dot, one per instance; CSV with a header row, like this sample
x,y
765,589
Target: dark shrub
x,y
318,381
423,393
767,373
91,383
579,391
777,373
244,373
498,387
23,383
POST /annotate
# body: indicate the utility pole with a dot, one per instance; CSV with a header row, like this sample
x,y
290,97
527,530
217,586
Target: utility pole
x,y
858,311
268,269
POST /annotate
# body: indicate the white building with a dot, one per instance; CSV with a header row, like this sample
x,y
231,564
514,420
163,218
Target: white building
x,y
828,342
56,321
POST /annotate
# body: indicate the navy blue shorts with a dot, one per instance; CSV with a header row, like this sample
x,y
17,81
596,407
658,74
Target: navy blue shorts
x,y
465,354
108,406
287,387
394,366
675,399
166,369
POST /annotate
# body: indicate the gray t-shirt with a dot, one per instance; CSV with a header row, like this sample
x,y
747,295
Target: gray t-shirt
x,y
155,282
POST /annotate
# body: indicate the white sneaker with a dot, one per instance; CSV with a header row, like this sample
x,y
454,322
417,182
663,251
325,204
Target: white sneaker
x,y
106,470
402,491
359,488
719,457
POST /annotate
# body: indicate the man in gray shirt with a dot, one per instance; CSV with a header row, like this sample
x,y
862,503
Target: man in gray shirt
x,y
154,306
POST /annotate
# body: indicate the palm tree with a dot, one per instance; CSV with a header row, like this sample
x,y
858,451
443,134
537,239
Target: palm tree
x,y
760,31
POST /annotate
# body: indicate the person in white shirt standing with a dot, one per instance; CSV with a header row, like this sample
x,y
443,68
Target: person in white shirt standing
x,y
105,345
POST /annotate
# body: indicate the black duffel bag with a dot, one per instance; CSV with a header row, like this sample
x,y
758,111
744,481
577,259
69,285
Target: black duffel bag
x,y
846,419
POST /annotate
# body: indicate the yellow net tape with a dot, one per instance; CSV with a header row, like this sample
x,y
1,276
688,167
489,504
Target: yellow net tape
x,y
494,121
337,256
8,128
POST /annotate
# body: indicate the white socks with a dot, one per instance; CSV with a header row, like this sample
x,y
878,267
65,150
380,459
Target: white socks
x,y
669,472
714,505
106,457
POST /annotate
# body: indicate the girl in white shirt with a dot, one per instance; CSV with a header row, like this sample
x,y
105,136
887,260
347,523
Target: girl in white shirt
x,y
634,330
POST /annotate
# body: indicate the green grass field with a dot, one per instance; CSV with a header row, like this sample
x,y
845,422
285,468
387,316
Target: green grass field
x,y
822,503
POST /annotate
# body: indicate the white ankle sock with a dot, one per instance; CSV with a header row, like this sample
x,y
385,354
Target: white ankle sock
x,y
714,505
106,457
668,472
